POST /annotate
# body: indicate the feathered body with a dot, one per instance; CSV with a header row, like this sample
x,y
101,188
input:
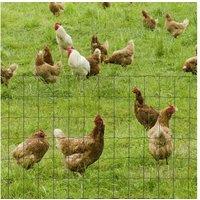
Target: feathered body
x,y
78,63
146,115
160,139
175,28
7,74
106,5
47,56
79,153
56,8
123,56
95,44
48,73
94,60
63,39
148,21
32,150
190,65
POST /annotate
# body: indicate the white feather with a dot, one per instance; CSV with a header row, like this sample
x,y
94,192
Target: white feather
x,y
13,68
184,67
79,64
97,52
159,131
106,45
185,23
156,20
58,133
63,39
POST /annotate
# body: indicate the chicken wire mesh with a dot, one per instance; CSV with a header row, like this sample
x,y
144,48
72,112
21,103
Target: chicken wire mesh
x,y
125,169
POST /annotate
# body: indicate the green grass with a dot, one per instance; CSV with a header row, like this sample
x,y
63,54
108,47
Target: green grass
x,y
125,169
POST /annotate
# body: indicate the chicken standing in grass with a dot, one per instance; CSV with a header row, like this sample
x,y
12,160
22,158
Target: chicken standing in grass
x,y
32,150
148,21
48,73
146,115
56,8
106,5
190,64
94,60
123,56
79,153
47,56
160,139
63,39
95,44
175,28
78,63
7,74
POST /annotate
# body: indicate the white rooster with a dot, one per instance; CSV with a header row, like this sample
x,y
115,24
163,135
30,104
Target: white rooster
x,y
63,39
79,64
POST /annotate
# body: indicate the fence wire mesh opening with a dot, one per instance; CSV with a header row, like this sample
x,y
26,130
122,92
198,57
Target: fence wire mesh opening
x,y
125,169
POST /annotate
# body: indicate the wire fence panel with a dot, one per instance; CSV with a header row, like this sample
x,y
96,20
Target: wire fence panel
x,y
125,169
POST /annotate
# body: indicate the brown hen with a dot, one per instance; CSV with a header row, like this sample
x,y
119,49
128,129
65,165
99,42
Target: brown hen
x,y
47,56
48,73
123,56
95,44
190,65
106,5
94,60
148,21
175,28
32,150
146,115
56,8
79,153
7,74
160,139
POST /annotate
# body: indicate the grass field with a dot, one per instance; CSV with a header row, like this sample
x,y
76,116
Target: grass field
x,y
125,169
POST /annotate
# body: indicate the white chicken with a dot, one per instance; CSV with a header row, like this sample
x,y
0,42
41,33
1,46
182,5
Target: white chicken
x,y
63,39
78,63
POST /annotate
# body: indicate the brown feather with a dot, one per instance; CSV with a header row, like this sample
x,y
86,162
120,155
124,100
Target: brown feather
x,y
47,56
146,115
55,8
123,56
106,5
175,28
94,60
95,44
47,72
190,65
148,21
32,150
81,152
160,139
7,74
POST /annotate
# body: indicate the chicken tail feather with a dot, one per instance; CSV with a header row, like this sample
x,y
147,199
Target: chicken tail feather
x,y
58,133
156,20
13,67
106,45
185,23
